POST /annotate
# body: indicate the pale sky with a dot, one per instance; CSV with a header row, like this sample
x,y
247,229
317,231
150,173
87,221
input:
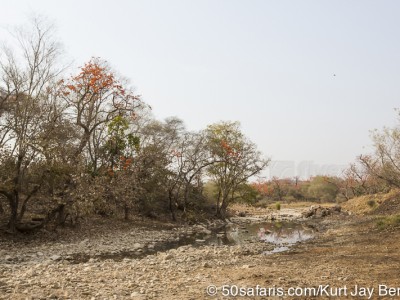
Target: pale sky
x,y
268,64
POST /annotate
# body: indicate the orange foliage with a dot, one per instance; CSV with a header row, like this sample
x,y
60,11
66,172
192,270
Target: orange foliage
x,y
261,187
125,162
229,151
95,78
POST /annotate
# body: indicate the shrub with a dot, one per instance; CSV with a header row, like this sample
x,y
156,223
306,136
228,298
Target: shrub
x,y
278,206
264,203
389,221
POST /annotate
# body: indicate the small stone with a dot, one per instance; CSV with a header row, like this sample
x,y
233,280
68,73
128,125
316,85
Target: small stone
x,y
248,266
137,246
55,257
8,258
135,294
84,242
168,256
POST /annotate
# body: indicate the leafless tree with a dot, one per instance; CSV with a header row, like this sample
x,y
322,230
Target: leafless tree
x,y
29,111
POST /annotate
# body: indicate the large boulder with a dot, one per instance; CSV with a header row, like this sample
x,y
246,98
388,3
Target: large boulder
x,y
321,212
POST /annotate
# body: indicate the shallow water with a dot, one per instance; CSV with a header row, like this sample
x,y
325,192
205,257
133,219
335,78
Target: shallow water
x,y
281,234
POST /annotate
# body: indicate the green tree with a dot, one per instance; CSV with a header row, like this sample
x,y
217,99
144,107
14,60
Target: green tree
x,y
321,188
236,160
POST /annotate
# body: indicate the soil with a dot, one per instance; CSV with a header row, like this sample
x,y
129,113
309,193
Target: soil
x,y
347,250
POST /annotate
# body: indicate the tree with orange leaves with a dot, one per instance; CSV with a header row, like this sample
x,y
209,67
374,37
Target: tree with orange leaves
x,y
95,96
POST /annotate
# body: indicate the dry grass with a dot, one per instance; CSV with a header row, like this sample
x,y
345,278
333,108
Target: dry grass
x,y
369,203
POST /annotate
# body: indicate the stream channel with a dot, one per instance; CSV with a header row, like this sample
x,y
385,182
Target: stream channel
x,y
281,234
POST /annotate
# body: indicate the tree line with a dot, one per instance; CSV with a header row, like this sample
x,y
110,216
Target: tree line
x,y
85,144
372,173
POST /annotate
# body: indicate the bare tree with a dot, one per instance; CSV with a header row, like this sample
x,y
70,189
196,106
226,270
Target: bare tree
x,y
193,157
29,111
384,164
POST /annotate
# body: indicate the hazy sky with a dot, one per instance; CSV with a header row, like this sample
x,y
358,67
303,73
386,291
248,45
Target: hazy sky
x,y
268,64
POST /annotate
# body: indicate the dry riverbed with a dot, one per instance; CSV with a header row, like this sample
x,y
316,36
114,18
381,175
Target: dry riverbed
x,y
135,263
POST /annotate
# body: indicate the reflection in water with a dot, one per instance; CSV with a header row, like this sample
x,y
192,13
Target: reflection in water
x,y
281,234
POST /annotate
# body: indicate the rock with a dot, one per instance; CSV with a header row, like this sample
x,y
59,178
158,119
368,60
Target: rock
x,y
202,229
8,258
135,294
320,212
168,256
137,246
307,214
248,266
84,242
206,231
55,257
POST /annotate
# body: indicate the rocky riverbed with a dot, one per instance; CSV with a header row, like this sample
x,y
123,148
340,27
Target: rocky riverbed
x,y
136,263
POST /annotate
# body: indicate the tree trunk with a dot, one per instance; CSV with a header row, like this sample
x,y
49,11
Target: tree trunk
x,y
218,203
57,214
61,214
126,212
221,213
14,214
186,197
13,203
222,205
23,209
171,206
